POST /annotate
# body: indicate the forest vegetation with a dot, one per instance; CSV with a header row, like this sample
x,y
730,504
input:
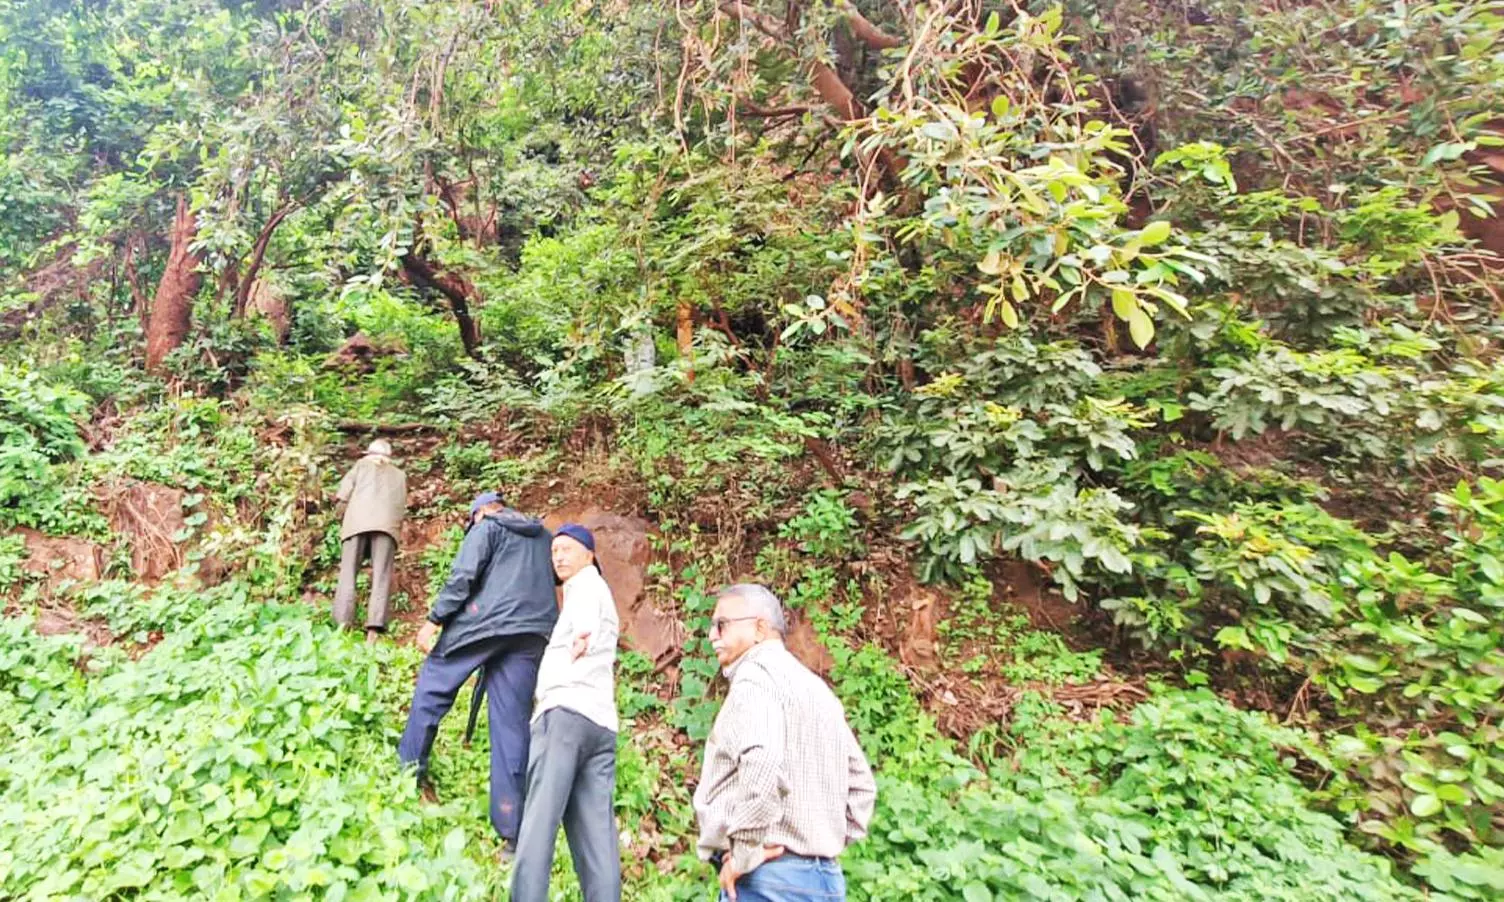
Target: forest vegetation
x,y
1111,391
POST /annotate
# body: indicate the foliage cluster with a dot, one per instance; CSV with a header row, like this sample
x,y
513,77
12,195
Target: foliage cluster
x,y
716,239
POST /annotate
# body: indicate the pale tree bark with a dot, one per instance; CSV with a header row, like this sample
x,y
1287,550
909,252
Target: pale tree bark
x,y
685,334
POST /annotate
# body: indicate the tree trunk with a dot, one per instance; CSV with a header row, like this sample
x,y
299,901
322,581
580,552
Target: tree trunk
x,y
258,254
685,335
457,289
172,309
140,305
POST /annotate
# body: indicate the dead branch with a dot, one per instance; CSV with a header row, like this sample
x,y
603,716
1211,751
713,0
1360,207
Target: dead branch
x,y
385,428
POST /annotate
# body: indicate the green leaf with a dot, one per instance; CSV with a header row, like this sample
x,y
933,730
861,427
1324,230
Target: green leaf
x,y
1453,794
1154,233
1425,805
941,130
976,891
1446,152
1008,314
1141,327
1365,663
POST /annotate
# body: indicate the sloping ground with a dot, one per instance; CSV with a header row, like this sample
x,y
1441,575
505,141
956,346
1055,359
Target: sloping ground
x,y
248,752
232,744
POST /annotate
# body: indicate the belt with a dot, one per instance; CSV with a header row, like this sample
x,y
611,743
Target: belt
x,y
718,857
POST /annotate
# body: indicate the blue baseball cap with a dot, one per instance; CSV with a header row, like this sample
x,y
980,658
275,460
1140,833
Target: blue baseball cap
x,y
483,499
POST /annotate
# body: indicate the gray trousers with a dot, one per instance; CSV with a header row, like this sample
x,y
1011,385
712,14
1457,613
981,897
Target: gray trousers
x,y
382,550
571,778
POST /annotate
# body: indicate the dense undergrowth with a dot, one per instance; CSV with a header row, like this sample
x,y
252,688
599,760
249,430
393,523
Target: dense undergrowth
x,y
1185,319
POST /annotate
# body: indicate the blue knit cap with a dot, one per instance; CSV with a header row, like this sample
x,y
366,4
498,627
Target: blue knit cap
x,y
483,499
578,533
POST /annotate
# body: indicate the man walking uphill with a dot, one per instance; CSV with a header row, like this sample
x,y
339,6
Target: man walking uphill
x,y
784,788
374,496
496,612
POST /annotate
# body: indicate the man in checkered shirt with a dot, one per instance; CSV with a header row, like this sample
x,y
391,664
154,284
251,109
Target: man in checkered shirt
x,y
785,787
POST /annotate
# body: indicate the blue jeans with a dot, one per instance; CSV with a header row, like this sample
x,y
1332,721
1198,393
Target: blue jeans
x,y
792,878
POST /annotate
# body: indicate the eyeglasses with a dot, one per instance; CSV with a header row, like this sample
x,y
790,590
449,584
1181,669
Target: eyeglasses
x,y
718,625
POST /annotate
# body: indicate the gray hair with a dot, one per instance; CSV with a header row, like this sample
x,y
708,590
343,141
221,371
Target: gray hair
x,y
765,605
380,446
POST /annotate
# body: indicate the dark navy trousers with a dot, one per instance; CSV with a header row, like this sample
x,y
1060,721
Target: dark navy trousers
x,y
509,666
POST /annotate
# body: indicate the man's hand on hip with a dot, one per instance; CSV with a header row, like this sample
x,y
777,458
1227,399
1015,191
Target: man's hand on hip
x,y
729,873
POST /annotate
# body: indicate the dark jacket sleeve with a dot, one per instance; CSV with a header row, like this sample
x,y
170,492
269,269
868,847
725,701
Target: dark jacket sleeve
x,y
469,564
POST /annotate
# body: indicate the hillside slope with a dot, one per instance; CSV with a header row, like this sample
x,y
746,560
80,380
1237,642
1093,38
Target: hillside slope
x,y
1111,391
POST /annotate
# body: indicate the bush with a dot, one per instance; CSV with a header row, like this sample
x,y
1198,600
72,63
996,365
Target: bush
x,y
248,754
1188,799
38,430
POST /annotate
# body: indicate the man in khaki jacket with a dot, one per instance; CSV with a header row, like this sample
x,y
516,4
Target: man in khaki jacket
x,y
374,496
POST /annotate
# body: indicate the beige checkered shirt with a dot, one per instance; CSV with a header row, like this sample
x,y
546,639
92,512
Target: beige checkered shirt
x,y
781,766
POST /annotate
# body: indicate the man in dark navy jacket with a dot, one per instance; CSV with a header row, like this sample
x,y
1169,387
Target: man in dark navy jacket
x,y
496,611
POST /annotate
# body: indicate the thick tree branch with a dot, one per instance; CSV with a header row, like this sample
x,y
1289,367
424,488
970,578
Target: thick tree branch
x,y
765,24
459,291
749,108
825,80
258,255
868,33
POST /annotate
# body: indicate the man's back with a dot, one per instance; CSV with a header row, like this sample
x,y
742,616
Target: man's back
x,y
501,583
375,491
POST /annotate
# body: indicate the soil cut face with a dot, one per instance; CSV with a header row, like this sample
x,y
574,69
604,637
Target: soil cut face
x,y
58,560
150,518
623,551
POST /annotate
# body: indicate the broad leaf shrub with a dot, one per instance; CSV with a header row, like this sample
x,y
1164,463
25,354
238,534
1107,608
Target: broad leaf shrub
x,y
702,447
997,454
1409,652
1186,798
38,434
1425,644
1383,396
12,556
248,755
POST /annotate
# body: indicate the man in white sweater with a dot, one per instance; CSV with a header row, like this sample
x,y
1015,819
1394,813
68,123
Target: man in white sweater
x,y
571,771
